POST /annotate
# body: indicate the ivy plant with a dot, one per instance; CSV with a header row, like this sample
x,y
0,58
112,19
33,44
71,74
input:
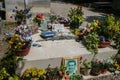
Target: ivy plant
x,y
92,41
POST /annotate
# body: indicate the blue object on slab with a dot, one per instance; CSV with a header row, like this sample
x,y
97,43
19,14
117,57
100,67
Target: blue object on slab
x,y
48,34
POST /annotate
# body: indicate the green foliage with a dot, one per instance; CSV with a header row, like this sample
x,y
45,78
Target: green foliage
x,y
3,74
92,40
106,27
86,64
15,77
96,65
75,15
10,63
55,73
117,41
53,18
76,77
37,20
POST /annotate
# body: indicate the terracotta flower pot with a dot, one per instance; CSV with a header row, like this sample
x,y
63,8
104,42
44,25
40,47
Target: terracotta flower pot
x,y
103,71
95,73
23,52
103,44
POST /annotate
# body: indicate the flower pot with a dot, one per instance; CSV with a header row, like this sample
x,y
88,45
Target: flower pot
x,y
103,44
23,52
103,71
95,73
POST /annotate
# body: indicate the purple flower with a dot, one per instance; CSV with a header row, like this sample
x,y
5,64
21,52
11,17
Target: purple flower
x,y
13,10
102,38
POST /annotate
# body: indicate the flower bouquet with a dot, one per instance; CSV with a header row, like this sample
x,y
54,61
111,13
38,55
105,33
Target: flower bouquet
x,y
20,42
20,15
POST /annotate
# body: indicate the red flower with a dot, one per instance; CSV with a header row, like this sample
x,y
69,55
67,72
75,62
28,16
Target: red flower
x,y
87,30
40,16
99,24
81,57
66,77
99,61
60,73
11,16
79,6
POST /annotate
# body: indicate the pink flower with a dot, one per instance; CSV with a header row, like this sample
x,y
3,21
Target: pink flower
x,y
99,61
60,73
108,14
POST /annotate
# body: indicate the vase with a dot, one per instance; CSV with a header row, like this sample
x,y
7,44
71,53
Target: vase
x,y
103,44
23,52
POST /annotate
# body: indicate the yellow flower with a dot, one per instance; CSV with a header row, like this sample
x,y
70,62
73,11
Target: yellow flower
x,y
15,47
10,42
16,35
116,66
17,39
19,43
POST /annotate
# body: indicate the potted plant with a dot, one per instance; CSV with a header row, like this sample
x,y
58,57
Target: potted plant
x,y
76,17
55,73
91,42
19,45
104,66
85,66
21,41
34,74
105,29
112,65
117,45
8,66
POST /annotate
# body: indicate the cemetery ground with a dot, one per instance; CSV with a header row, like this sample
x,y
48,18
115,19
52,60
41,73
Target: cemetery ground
x,y
59,8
